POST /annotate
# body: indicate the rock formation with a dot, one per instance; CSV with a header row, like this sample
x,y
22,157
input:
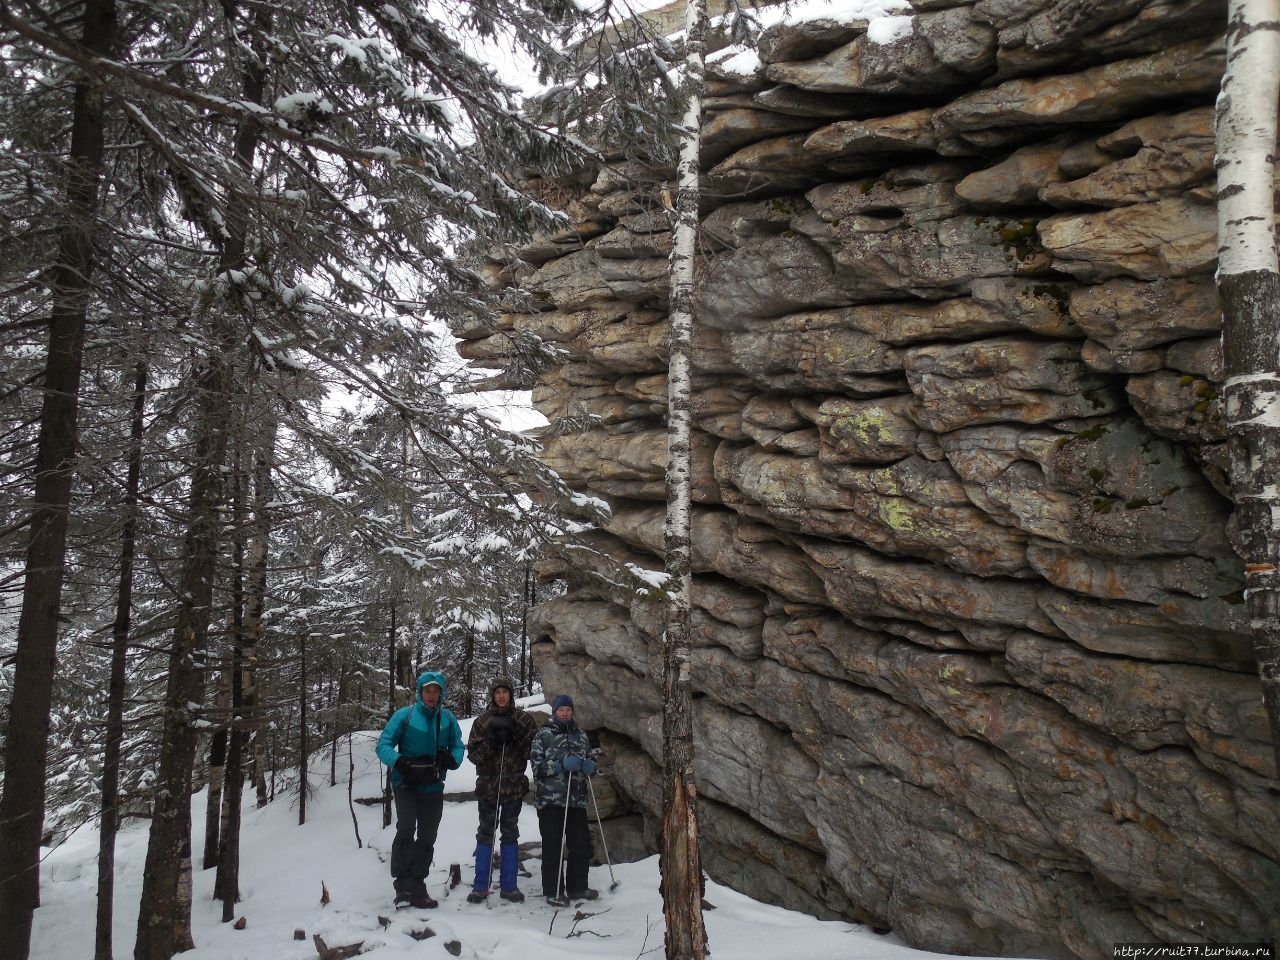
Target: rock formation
x,y
972,656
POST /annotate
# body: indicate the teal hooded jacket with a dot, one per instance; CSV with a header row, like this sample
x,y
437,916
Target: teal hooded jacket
x,y
419,731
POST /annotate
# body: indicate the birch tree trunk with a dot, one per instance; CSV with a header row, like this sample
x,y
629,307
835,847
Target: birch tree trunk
x,y
680,861
26,744
110,816
1249,285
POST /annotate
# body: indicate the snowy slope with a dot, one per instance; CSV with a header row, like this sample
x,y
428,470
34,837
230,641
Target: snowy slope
x,y
284,864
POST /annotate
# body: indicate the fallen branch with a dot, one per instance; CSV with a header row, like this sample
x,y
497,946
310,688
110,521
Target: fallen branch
x,y
578,917
351,777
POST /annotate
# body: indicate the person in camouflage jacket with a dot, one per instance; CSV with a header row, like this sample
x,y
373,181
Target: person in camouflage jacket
x,y
499,748
561,760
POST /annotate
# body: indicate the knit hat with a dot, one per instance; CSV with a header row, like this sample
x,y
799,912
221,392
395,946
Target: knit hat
x,y
500,683
564,700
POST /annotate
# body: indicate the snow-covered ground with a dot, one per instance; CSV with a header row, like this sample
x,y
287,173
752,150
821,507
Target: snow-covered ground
x,y
283,866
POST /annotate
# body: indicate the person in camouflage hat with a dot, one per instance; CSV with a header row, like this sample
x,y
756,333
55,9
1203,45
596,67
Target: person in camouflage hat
x,y
499,748
561,760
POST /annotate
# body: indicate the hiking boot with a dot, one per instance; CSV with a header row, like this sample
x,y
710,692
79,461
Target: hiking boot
x,y
477,896
403,898
514,895
587,894
424,901
555,901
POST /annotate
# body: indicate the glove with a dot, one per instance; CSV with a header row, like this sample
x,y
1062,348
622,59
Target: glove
x,y
445,761
501,731
401,766
572,763
589,767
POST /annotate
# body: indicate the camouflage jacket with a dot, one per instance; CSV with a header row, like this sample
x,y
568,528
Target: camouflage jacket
x,y
554,742
492,763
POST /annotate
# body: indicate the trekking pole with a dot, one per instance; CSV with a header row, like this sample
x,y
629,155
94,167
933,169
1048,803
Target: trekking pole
x,y
613,884
497,815
564,833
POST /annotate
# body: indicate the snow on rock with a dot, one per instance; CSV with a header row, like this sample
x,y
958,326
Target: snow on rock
x,y
885,30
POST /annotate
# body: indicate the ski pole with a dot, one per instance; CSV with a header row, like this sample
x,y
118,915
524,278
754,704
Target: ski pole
x,y
497,816
564,833
613,884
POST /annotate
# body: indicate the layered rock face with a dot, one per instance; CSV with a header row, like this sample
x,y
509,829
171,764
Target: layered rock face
x,y
972,655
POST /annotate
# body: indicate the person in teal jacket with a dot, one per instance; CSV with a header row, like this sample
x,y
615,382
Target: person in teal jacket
x,y
420,744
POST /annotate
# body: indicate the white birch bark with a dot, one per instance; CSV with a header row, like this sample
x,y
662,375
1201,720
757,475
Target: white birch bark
x,y
680,862
1249,284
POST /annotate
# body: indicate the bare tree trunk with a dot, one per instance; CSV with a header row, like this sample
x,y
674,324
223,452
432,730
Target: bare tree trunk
x,y
248,635
333,737
182,912
260,762
341,695
226,885
504,660
303,747
26,743
214,813
680,859
526,601
1249,284
404,667
162,928
468,670
351,783
110,818
256,598
159,935
391,708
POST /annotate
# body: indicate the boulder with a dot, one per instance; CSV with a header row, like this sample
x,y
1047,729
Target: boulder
x,y
1169,238
1102,93
1004,379
1161,157
944,50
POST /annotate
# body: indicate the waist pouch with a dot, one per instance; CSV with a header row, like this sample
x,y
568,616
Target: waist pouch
x,y
421,772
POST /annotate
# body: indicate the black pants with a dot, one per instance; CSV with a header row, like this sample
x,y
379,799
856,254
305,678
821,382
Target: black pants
x,y
508,821
577,840
411,855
